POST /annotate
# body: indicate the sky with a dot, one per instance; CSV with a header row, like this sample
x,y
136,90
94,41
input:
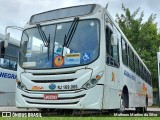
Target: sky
x,y
18,12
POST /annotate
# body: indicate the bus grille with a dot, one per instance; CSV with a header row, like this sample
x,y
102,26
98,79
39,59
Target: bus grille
x,y
49,81
56,73
61,98
52,103
60,101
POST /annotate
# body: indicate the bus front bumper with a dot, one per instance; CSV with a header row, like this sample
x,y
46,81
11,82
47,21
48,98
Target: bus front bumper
x,y
83,99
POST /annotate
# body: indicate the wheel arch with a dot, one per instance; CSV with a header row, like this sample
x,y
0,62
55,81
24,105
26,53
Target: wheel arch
x,y
125,94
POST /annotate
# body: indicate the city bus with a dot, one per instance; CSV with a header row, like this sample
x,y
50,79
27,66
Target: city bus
x,y
77,58
8,68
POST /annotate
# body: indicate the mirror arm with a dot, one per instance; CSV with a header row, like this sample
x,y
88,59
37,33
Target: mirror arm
x,y
7,35
13,27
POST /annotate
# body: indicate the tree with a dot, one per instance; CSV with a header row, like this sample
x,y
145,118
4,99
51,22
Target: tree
x,y
143,36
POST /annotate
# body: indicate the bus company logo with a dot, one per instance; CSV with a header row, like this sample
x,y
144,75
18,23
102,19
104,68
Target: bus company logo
x,y
7,75
126,73
37,88
52,86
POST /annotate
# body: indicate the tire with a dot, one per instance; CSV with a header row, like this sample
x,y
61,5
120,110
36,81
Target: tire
x,y
122,105
44,110
141,109
65,112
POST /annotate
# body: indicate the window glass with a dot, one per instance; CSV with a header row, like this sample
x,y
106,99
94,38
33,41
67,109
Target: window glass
x,y
12,52
115,53
62,13
8,64
112,48
142,74
80,48
124,53
131,60
145,75
137,66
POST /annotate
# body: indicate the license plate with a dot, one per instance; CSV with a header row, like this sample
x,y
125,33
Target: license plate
x,y
50,97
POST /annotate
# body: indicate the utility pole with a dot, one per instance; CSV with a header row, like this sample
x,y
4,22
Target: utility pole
x,y
158,58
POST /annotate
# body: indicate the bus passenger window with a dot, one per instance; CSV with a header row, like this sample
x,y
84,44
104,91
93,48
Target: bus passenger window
x,y
137,66
112,48
8,64
124,52
131,59
4,63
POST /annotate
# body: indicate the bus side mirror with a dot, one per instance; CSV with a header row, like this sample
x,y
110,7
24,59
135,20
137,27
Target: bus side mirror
x,y
7,37
2,49
114,39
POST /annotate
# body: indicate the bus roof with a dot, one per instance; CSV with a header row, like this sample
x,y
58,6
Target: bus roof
x,y
62,13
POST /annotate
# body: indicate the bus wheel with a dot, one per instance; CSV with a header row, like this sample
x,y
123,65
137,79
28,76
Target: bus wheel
x,y
65,112
140,109
122,105
44,110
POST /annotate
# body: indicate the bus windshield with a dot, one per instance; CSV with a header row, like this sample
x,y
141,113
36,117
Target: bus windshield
x,y
83,48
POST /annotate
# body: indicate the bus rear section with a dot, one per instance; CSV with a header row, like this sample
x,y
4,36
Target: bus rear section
x,y
8,74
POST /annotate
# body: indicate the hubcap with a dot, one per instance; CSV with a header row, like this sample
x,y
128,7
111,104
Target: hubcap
x,y
122,108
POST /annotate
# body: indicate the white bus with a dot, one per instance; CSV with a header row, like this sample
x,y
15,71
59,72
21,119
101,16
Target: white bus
x,y
78,58
8,67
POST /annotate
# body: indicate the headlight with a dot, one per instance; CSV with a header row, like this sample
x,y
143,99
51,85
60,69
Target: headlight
x,y
93,82
21,85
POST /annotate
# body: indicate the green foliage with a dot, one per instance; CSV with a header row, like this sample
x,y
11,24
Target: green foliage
x,y
143,36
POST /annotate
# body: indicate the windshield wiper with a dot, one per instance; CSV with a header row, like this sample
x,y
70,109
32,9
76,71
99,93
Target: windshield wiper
x,y
48,46
46,41
43,36
70,34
